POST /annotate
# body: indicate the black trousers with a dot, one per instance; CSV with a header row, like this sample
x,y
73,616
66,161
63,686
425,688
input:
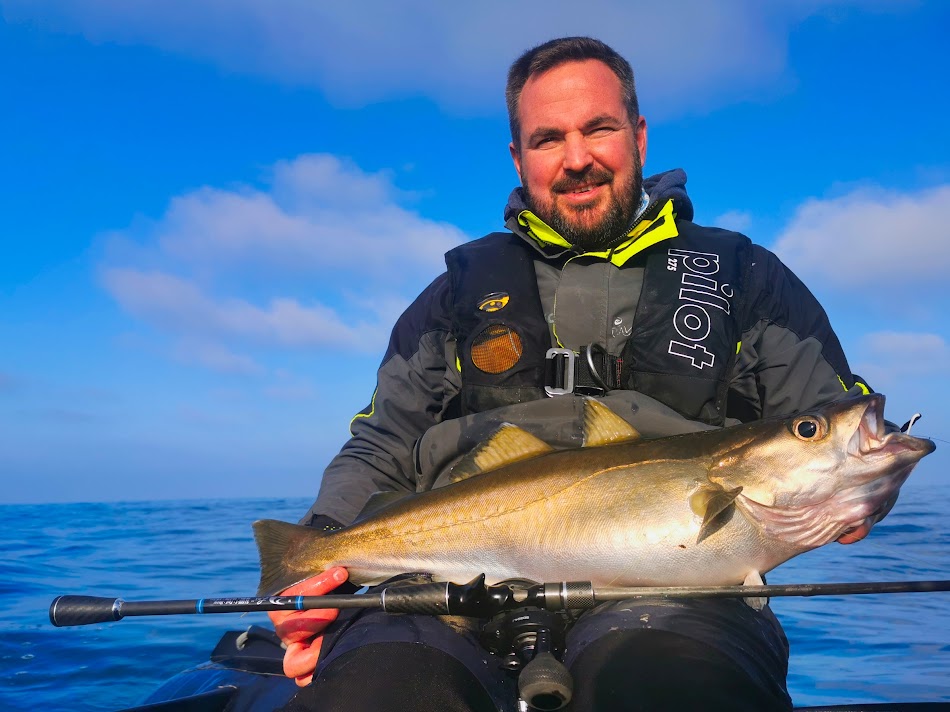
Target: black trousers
x,y
714,654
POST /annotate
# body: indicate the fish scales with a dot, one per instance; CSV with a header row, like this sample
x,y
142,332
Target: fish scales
x,y
706,508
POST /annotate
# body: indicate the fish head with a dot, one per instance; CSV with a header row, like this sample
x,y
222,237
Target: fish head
x,y
808,478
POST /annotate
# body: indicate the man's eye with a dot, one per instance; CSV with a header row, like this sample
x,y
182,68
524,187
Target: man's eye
x,y
601,131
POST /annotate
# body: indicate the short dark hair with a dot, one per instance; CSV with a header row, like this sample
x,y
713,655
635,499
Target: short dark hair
x,y
560,51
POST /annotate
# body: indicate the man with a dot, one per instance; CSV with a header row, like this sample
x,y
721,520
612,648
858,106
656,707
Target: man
x,y
685,328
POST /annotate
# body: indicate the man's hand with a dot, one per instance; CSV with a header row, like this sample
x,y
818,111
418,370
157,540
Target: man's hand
x,y
300,630
858,532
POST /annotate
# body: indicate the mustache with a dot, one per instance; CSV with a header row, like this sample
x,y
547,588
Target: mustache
x,y
571,183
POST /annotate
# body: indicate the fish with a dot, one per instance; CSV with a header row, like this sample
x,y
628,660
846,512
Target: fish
x,y
716,507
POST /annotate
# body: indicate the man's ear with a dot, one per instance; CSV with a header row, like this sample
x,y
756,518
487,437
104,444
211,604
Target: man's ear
x,y
642,139
515,158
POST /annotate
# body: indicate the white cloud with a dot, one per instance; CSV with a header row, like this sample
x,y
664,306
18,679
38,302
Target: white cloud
x,y
870,237
214,271
180,306
217,358
906,352
321,215
908,367
736,220
457,53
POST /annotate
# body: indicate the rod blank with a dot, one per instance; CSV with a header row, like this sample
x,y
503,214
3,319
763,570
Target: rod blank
x,y
473,599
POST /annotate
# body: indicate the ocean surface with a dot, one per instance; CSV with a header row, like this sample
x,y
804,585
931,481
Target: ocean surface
x,y
881,648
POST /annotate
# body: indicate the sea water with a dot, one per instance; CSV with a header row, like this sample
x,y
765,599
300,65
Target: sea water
x,y
880,648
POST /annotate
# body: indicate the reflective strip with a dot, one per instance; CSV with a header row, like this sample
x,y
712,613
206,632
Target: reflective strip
x,y
372,409
865,390
738,346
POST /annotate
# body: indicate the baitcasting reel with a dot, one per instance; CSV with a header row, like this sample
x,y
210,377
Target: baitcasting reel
x,y
531,643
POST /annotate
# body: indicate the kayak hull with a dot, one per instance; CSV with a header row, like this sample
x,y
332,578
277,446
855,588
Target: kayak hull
x,y
245,672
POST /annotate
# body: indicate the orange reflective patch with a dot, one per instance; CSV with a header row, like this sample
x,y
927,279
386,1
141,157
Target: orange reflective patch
x,y
497,348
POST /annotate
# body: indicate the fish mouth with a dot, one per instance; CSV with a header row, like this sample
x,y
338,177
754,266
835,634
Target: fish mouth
x,y
870,441
877,463
869,437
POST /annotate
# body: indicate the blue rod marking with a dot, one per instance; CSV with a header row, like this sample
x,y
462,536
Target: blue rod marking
x,y
200,606
299,603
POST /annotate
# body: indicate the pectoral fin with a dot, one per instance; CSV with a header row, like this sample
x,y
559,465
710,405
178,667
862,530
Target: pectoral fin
x,y
509,444
715,504
604,427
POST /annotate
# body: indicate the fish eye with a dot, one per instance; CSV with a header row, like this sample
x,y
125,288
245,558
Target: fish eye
x,y
808,428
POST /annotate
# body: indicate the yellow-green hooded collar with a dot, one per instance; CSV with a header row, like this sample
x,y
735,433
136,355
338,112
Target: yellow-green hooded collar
x,y
657,223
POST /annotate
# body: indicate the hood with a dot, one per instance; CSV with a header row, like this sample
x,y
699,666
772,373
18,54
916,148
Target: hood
x,y
670,185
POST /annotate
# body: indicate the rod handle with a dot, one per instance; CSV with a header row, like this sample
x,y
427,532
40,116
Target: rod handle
x,y
84,610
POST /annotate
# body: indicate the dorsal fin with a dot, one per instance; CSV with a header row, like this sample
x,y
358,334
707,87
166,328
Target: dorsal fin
x,y
715,504
509,444
604,427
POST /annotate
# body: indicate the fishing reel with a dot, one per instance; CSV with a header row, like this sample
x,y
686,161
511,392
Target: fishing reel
x,y
530,642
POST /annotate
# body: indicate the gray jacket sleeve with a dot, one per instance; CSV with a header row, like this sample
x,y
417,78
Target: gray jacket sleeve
x,y
415,383
789,357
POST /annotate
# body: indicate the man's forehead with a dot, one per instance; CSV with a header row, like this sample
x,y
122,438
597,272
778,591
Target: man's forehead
x,y
575,78
587,87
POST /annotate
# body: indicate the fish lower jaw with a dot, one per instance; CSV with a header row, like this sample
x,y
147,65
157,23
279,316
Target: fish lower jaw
x,y
893,446
810,526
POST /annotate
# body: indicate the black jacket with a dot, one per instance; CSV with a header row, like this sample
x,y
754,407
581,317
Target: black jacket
x,y
787,358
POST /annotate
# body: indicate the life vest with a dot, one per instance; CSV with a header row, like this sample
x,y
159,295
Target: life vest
x,y
685,332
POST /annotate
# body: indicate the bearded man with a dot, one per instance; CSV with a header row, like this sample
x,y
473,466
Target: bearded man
x,y
676,327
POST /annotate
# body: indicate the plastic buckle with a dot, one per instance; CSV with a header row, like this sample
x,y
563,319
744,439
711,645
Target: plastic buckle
x,y
568,374
598,388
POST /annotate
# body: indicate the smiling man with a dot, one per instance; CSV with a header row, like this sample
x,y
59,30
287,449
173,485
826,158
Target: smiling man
x,y
601,286
578,145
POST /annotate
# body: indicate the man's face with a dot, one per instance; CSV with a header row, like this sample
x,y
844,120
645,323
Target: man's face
x,y
580,156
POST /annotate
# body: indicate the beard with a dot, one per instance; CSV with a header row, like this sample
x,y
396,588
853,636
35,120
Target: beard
x,y
615,222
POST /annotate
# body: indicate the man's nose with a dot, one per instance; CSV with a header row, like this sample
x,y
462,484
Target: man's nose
x,y
577,156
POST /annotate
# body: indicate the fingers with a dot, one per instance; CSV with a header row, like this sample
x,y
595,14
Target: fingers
x,y
318,585
300,661
298,628
314,586
302,625
857,533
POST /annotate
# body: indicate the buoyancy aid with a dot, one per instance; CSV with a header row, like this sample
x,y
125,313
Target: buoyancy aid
x,y
685,334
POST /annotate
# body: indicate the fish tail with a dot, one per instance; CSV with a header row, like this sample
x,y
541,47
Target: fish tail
x,y
275,542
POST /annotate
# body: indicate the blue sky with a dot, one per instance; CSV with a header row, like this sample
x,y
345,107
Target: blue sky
x,y
211,219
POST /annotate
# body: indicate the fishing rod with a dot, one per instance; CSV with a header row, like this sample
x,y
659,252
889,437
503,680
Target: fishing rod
x,y
475,599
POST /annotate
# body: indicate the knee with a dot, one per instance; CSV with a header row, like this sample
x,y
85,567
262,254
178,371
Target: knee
x,y
659,670
393,677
